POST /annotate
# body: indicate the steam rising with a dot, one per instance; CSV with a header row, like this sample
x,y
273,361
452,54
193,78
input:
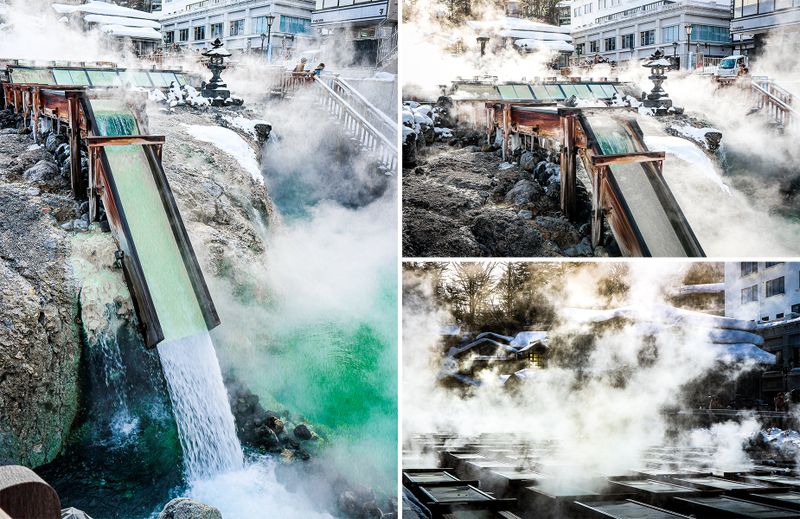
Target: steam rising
x,y
600,417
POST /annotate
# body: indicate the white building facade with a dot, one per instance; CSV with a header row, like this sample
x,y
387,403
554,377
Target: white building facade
x,y
239,24
757,23
369,26
622,30
762,291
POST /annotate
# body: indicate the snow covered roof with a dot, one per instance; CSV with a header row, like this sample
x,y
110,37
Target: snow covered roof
x,y
745,351
105,9
120,20
513,24
450,329
556,45
140,33
536,35
663,313
707,288
527,339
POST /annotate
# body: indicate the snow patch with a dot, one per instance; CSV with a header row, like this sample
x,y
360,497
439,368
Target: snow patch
x,y
231,143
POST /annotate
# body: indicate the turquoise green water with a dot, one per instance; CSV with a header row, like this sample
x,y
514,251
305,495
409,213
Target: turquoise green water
x,y
169,283
341,374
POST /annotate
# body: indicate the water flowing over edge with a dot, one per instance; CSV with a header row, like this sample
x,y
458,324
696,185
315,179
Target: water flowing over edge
x,y
200,403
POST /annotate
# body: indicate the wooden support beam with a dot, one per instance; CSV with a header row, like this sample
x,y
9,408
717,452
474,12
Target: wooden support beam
x,y
94,141
77,183
506,129
628,158
568,168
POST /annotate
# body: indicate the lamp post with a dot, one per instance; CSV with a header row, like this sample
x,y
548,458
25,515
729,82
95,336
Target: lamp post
x,y
482,39
263,37
688,46
270,19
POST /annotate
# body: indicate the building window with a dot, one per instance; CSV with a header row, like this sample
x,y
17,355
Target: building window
x,y
200,33
778,316
237,28
259,25
295,25
216,30
169,36
796,309
648,37
611,44
765,318
580,49
536,359
775,287
772,263
783,4
669,34
710,33
749,7
749,267
601,4
183,35
593,46
750,294
627,41
587,8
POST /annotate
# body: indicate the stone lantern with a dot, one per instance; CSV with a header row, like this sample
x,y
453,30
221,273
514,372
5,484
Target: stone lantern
x,y
658,99
216,90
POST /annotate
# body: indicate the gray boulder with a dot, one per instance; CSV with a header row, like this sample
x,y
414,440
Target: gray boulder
x,y
524,192
185,508
558,230
41,172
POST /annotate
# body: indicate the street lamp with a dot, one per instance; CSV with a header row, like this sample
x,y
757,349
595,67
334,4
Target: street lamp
x,y
263,37
688,46
482,39
270,19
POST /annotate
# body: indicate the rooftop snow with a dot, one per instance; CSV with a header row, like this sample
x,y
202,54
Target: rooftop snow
x,y
557,45
121,20
513,24
536,35
104,8
140,33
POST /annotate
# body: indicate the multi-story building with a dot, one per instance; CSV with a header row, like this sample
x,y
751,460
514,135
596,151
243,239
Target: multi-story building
x,y
564,12
242,25
754,20
768,293
621,30
365,28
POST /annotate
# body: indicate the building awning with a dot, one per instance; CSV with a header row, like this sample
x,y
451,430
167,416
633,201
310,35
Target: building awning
x,y
554,45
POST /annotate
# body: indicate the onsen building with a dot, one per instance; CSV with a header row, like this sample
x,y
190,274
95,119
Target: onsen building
x,y
138,30
769,294
526,36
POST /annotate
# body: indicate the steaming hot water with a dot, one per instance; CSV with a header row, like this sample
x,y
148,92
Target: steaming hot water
x,y
200,403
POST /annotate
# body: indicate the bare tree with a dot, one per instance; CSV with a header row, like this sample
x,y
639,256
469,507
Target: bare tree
x,y
470,288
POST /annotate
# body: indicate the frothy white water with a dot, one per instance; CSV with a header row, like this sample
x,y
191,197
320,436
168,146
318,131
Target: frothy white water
x,y
200,403
253,491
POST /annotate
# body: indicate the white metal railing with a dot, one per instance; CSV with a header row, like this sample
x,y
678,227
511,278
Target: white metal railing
x,y
387,48
776,100
354,121
375,116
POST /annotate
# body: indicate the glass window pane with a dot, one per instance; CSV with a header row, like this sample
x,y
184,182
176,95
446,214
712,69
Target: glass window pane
x,y
583,91
609,90
554,91
540,92
62,76
569,90
523,92
181,79
141,79
506,91
157,79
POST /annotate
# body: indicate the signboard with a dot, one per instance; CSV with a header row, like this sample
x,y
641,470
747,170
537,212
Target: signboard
x,y
351,13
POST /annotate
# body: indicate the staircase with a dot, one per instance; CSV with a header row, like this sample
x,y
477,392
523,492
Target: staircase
x,y
372,129
776,101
